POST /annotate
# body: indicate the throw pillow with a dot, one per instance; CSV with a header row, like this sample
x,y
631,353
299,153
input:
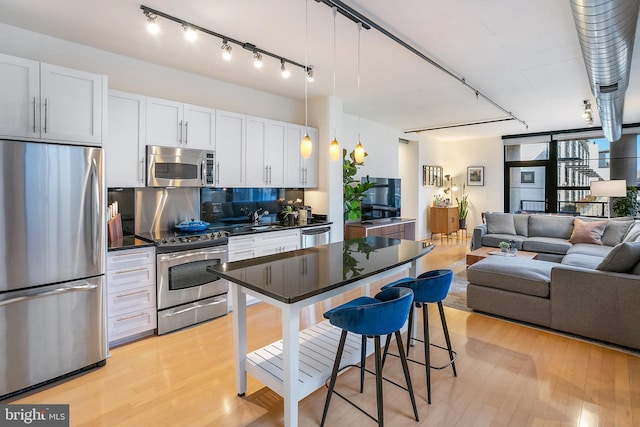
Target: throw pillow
x,y
622,258
633,233
500,223
615,231
557,226
521,221
587,231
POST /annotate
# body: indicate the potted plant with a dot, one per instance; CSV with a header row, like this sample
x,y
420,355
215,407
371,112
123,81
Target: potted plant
x,y
463,208
627,206
353,190
504,246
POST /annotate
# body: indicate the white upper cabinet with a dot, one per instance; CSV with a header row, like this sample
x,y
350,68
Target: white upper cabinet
x,y
43,101
174,124
230,149
265,152
300,172
125,144
257,169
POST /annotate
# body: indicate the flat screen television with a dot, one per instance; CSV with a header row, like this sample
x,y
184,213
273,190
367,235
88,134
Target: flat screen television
x,y
383,200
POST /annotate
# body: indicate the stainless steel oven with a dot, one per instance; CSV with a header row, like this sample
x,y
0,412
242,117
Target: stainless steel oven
x,y
187,292
180,167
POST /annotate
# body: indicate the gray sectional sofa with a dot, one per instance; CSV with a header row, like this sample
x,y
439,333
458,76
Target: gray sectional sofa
x,y
585,279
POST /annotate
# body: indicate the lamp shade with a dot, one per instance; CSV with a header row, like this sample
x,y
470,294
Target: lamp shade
x,y
613,188
334,150
306,146
358,153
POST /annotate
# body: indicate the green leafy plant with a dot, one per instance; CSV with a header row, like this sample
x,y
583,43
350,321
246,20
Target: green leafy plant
x,y
627,206
463,204
352,190
504,245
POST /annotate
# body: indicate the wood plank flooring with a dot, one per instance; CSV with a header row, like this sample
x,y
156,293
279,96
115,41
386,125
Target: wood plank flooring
x,y
508,375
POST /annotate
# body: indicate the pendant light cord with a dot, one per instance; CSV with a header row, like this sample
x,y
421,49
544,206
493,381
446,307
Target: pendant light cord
x,y
358,94
335,12
306,66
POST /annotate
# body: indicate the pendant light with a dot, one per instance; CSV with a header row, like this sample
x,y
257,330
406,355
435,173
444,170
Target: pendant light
x,y
305,145
358,153
334,147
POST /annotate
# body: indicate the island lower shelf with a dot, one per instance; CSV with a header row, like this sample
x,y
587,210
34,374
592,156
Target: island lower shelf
x,y
318,347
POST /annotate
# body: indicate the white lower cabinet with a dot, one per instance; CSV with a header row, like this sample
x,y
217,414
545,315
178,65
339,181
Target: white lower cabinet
x,y
255,245
131,294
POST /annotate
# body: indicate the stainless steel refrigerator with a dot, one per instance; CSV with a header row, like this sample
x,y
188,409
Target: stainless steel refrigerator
x,y
52,262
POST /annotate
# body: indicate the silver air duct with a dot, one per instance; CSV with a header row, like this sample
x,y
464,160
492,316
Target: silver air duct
x,y
606,30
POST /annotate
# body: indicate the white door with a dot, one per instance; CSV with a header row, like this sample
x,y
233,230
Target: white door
x,y
125,145
230,146
70,105
164,122
257,167
199,127
19,97
276,138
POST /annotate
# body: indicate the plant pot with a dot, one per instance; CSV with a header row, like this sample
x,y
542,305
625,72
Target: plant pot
x,y
462,224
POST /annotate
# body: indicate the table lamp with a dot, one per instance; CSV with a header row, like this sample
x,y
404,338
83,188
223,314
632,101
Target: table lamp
x,y
613,188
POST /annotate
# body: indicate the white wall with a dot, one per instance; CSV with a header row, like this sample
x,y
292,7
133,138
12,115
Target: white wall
x,y
132,75
411,176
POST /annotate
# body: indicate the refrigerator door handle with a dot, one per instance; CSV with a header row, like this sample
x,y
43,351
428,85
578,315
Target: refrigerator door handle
x,y
57,291
95,215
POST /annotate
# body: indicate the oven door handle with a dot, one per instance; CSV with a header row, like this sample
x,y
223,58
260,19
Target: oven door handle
x,y
178,256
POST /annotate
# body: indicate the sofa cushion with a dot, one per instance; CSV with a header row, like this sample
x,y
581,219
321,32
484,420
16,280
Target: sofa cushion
x,y
521,222
615,231
590,250
493,240
636,269
546,244
622,258
633,233
582,260
587,231
556,226
521,275
500,223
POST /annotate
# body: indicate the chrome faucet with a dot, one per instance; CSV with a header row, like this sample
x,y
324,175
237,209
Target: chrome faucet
x,y
254,216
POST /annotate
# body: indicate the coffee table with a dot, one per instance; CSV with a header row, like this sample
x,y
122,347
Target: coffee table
x,y
483,252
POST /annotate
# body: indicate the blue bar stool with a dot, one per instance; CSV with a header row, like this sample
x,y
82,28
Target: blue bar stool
x,y
384,314
429,287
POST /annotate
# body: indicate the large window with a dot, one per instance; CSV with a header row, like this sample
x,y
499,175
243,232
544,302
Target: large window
x,y
555,176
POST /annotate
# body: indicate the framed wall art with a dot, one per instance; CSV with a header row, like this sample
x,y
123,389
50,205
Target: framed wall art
x,y
475,175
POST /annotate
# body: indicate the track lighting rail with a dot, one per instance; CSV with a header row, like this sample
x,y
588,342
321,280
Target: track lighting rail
x,y
357,17
245,45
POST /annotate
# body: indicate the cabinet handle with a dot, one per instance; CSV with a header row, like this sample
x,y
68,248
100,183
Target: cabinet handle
x,y
266,174
141,177
135,270
34,114
46,113
144,291
269,174
180,132
186,132
122,319
217,173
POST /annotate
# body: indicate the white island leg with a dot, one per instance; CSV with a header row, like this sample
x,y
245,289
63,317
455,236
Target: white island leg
x,y
239,303
291,361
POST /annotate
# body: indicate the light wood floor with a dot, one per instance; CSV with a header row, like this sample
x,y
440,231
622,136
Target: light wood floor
x,y
508,375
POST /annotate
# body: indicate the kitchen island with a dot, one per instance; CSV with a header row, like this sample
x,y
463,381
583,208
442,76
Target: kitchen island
x,y
299,364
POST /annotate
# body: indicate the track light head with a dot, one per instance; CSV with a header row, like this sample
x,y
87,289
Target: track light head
x,y
257,59
310,73
152,25
226,50
285,73
190,33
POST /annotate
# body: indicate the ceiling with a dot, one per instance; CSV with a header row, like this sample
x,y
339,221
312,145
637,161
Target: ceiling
x,y
524,56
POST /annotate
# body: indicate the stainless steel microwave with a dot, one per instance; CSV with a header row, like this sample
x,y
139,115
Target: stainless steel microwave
x,y
180,167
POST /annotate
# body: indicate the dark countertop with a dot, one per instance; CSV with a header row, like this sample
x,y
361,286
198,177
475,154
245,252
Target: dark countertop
x,y
304,273
245,228
129,242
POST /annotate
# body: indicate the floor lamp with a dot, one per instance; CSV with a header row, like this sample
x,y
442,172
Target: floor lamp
x,y
613,188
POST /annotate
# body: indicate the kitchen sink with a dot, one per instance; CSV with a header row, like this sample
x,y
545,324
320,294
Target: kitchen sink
x,y
265,227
